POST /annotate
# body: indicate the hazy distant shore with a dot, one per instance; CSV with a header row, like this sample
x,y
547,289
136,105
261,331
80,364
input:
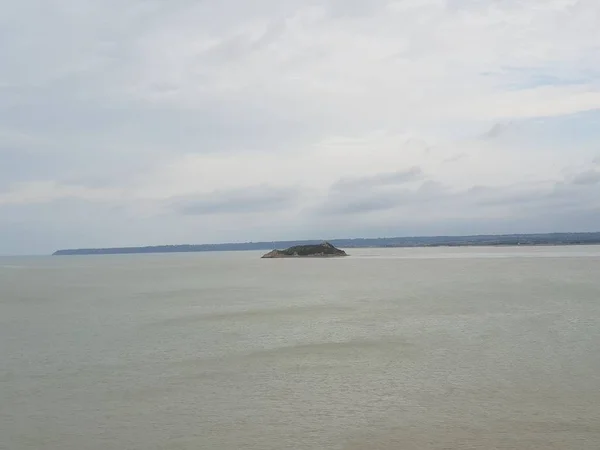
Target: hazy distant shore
x,y
395,242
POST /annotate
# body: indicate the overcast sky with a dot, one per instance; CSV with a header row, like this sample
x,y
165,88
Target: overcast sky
x,y
146,122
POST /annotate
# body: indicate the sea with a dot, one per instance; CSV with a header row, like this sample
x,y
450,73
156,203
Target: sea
x,y
408,349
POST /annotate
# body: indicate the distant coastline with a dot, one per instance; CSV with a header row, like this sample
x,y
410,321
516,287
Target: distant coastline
x,y
393,242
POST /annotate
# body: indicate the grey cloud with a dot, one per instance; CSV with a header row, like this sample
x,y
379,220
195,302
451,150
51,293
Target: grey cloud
x,y
531,199
498,130
572,192
372,193
501,198
516,202
587,177
456,158
354,200
379,180
237,201
360,205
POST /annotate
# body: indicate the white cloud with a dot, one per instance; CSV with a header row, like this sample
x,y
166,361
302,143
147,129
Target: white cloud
x,y
134,105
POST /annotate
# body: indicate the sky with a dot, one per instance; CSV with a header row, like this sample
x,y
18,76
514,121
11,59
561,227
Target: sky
x,y
153,122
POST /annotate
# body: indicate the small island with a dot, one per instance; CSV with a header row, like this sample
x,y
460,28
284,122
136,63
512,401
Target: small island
x,y
324,250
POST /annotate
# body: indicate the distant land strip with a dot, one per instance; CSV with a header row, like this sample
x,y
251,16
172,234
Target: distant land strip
x,y
422,241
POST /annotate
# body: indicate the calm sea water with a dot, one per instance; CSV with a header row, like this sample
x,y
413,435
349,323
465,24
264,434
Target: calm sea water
x,y
387,349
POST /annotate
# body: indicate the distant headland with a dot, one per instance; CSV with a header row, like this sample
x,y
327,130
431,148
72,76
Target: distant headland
x,y
323,250
423,241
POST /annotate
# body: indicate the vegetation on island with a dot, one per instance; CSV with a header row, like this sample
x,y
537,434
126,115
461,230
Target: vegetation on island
x,y
319,250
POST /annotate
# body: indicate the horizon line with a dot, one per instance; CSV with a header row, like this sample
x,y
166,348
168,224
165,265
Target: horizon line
x,y
264,243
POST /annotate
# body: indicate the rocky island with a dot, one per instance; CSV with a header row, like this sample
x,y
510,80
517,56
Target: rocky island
x,y
324,250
